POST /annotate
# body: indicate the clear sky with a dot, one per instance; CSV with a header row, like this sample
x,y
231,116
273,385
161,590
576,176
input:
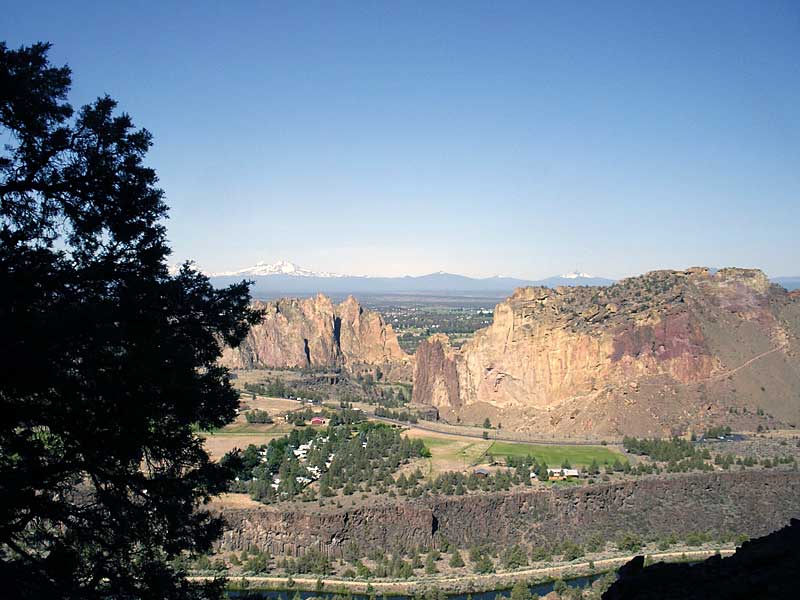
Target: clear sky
x,y
482,138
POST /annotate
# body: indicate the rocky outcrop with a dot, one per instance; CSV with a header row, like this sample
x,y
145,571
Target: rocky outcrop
x,y
315,333
766,567
749,502
660,354
437,381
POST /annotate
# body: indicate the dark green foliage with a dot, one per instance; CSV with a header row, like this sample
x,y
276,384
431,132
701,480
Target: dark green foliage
x,y
344,416
430,564
257,564
401,415
595,544
457,483
629,542
718,431
660,450
314,562
109,364
455,559
273,388
514,557
697,539
541,553
481,561
541,472
299,418
571,551
258,416
520,591
344,455
363,571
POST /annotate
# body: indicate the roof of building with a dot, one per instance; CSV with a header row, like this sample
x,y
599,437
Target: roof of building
x,y
564,472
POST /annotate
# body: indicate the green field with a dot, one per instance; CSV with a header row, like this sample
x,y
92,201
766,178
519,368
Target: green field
x,y
554,455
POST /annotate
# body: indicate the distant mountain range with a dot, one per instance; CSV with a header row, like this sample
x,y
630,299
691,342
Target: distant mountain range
x,y
282,267
790,283
286,278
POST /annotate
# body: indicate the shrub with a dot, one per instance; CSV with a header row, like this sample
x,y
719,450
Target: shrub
x,y
258,416
514,558
629,543
455,559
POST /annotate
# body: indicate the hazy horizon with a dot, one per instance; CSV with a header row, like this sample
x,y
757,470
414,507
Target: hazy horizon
x,y
401,139
345,273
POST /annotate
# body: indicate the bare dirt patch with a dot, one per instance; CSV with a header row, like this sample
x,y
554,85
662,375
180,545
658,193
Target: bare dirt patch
x,y
217,445
450,453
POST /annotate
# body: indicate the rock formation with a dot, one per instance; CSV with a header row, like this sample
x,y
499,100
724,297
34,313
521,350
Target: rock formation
x,y
742,502
659,354
315,333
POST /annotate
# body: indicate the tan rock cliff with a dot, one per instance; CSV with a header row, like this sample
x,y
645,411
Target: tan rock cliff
x,y
658,354
315,333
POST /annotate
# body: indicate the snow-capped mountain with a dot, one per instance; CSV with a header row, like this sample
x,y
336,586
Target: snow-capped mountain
x,y
282,267
577,275
286,278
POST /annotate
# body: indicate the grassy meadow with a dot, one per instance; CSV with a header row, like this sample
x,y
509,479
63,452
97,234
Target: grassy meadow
x,y
554,455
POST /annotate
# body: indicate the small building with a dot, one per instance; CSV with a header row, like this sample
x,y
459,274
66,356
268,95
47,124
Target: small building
x,y
318,421
481,472
426,413
562,474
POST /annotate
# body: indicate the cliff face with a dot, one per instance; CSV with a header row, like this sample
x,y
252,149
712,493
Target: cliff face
x,y
750,502
436,382
651,355
313,332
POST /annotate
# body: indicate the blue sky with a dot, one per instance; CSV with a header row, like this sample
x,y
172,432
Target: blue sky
x,y
483,138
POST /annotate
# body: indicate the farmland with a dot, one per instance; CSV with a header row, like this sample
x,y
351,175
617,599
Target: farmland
x,y
555,455
453,453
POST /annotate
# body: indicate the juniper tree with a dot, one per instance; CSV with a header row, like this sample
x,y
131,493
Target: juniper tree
x,y
108,363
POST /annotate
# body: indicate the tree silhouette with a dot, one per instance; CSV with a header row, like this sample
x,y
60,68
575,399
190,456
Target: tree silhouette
x,y
107,363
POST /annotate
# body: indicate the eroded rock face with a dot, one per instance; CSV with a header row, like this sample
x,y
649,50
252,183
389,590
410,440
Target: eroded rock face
x,y
437,381
313,332
749,502
653,355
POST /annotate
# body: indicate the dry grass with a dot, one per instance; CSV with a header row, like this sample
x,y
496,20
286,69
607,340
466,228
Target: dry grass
x,y
450,453
217,445
236,501
240,433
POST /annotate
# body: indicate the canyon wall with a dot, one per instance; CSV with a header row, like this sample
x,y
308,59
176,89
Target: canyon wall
x,y
315,333
749,502
659,354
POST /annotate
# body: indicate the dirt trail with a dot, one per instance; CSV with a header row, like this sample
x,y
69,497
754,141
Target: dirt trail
x,y
722,375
